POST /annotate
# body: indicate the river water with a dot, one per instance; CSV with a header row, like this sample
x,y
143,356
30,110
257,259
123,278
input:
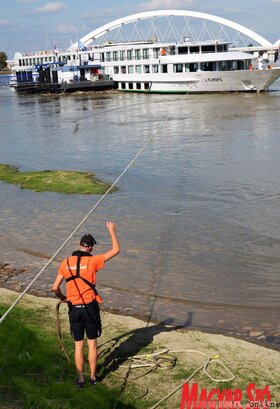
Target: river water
x,y
197,214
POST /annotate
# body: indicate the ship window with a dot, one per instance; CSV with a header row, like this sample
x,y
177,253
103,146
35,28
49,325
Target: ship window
x,y
102,59
137,54
207,66
116,70
115,56
123,69
123,85
122,55
178,68
164,68
156,52
146,85
229,65
146,69
129,54
19,63
138,85
241,66
138,69
155,68
183,50
130,85
145,53
192,67
108,56
208,49
221,48
130,69
172,50
194,50
222,65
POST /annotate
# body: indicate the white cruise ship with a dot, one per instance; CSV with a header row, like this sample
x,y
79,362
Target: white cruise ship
x,y
175,67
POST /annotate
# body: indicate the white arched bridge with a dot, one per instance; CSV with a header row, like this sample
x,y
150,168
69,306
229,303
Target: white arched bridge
x,y
165,25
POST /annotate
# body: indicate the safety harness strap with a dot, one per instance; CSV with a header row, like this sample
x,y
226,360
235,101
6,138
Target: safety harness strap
x,y
77,275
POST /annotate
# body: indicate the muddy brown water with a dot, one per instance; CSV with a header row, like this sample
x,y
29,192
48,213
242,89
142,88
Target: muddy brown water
x,y
197,215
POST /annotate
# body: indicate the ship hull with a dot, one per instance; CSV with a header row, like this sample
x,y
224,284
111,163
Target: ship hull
x,y
200,82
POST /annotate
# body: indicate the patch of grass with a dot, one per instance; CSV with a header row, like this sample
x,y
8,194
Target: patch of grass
x,y
54,181
226,385
34,375
182,374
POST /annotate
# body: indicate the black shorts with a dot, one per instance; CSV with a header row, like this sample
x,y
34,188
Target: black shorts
x,y
85,318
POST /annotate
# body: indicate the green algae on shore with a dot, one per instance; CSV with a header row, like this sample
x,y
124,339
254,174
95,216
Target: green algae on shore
x,y
58,181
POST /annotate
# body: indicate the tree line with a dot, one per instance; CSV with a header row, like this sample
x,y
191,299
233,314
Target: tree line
x,y
3,60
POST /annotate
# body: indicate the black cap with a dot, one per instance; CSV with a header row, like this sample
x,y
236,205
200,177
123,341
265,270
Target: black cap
x,y
87,240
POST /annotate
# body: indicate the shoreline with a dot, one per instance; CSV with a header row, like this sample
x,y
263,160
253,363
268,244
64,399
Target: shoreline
x,y
250,363
5,72
9,272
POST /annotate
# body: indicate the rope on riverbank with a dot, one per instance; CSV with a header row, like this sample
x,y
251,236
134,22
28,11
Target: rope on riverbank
x,y
164,360
59,334
155,132
204,368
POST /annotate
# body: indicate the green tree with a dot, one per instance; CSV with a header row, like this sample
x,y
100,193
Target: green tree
x,y
3,60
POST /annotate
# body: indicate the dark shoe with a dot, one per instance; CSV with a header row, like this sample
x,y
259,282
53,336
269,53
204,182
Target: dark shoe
x,y
80,384
93,382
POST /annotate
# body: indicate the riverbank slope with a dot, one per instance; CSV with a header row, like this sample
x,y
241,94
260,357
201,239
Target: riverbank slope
x,y
127,336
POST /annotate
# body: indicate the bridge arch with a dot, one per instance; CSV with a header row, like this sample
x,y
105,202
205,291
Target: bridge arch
x,y
93,35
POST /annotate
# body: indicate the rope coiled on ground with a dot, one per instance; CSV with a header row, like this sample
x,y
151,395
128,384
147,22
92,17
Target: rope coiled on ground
x,y
163,360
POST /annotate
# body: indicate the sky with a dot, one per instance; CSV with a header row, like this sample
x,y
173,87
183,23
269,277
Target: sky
x,y
30,25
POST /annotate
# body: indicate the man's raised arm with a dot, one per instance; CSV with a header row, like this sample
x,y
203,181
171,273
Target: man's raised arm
x,y
115,249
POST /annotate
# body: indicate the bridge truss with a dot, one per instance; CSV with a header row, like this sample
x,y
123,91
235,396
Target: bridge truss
x,y
174,25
